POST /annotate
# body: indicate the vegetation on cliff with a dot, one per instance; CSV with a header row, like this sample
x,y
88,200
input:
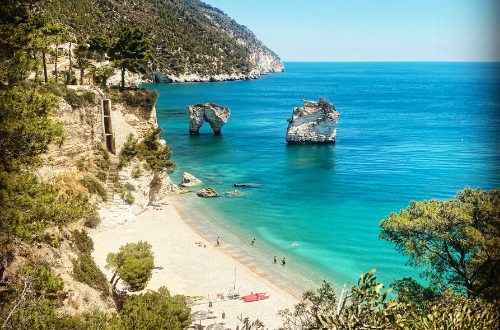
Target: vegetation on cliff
x,y
186,36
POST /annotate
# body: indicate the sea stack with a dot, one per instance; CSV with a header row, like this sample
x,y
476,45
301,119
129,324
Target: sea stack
x,y
214,114
315,123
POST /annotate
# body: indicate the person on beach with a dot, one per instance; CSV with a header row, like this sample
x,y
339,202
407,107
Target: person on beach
x,y
217,243
275,259
253,242
283,261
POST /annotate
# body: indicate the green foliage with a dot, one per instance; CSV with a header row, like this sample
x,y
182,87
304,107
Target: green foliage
x,y
25,127
29,207
157,310
136,172
83,59
133,263
102,74
458,312
455,241
35,298
94,186
130,51
125,191
80,99
129,150
140,98
86,271
82,241
103,161
156,154
98,45
187,36
150,149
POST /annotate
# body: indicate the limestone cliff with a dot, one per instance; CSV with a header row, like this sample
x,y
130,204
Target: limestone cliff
x,y
204,44
315,122
83,157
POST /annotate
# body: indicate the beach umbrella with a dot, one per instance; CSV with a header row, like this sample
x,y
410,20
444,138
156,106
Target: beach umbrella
x,y
199,315
215,326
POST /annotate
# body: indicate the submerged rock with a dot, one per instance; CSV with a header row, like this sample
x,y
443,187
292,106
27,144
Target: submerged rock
x,y
207,193
315,122
214,114
189,180
247,185
234,193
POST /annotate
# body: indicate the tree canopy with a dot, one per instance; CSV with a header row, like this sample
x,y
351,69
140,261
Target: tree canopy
x,y
133,264
456,242
156,310
130,51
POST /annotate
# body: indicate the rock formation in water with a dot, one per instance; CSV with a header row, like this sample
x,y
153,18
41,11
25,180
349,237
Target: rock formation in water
x,y
212,113
315,122
189,180
207,193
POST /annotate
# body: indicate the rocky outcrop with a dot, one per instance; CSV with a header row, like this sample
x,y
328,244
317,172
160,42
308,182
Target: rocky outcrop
x,y
189,180
315,122
214,114
207,193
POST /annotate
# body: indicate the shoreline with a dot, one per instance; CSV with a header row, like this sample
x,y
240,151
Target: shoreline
x,y
192,270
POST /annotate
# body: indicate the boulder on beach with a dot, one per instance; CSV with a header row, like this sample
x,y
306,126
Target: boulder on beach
x,y
189,180
214,114
207,193
247,185
315,122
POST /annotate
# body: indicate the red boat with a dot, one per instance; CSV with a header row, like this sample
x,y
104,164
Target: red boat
x,y
255,297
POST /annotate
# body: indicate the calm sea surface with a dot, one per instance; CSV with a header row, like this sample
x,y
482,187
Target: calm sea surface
x,y
407,131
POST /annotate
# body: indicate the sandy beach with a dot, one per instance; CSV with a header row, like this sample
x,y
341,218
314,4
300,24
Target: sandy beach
x,y
192,269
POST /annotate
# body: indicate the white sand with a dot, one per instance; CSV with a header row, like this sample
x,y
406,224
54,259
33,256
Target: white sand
x,y
192,270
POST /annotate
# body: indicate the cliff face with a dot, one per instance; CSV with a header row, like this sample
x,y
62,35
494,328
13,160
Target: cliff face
x,y
190,40
315,122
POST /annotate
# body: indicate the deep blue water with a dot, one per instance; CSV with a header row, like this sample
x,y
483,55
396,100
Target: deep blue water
x,y
407,131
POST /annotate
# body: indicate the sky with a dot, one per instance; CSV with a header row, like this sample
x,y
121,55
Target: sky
x,y
372,30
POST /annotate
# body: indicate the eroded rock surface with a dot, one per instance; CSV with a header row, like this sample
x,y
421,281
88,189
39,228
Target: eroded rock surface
x,y
315,122
189,180
207,193
214,114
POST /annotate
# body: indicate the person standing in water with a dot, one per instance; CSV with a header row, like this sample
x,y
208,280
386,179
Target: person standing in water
x,y
275,259
253,242
217,243
283,261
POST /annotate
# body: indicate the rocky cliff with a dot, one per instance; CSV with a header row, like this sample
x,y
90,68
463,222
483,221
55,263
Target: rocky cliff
x,y
190,40
315,122
215,115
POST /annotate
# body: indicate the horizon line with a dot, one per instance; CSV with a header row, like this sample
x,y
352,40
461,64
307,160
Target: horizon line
x,y
390,61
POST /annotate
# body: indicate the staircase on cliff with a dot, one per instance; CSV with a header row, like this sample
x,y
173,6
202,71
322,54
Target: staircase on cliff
x,y
110,181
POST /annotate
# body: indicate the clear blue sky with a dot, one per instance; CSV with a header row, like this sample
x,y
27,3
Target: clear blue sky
x,y
372,30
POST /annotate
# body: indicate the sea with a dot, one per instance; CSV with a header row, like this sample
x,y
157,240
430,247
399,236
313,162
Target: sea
x,y
407,131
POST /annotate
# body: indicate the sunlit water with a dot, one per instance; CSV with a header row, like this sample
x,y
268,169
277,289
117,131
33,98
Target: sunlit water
x,y
407,131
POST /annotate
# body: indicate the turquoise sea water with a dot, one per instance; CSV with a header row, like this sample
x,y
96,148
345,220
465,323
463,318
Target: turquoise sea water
x,y
406,131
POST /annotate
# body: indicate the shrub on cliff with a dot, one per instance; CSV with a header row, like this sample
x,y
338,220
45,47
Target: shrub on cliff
x,y
82,241
94,186
150,149
140,98
156,154
85,270
76,99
